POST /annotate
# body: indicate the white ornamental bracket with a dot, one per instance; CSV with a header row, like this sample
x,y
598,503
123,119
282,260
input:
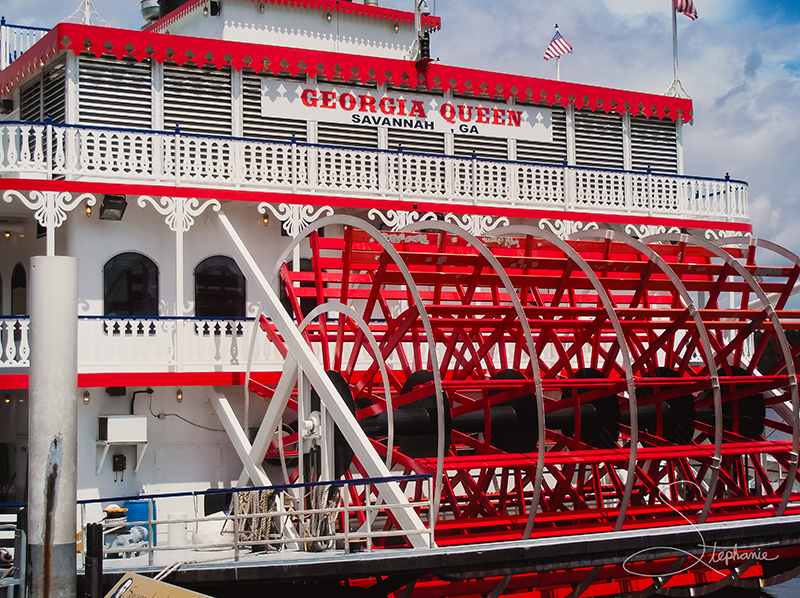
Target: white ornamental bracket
x,y
564,228
295,217
475,224
51,209
399,219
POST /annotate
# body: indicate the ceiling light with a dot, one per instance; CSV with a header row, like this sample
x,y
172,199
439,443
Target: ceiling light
x,y
86,397
88,211
179,395
329,16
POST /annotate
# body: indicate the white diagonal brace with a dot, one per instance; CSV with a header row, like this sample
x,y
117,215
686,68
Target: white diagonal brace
x,y
239,440
277,405
237,436
405,515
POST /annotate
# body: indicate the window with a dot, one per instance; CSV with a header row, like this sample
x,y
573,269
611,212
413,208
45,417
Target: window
x,y
219,289
19,291
130,282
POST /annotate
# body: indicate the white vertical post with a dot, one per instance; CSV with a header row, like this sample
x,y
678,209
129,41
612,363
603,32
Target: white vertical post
x,y
53,429
237,103
72,74
3,44
558,68
679,142
627,159
180,205
570,191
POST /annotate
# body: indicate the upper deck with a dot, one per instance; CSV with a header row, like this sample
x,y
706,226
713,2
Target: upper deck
x,y
218,113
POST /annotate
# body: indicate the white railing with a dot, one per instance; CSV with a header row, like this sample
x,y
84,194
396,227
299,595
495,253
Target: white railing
x,y
149,344
355,520
104,154
15,39
171,344
14,347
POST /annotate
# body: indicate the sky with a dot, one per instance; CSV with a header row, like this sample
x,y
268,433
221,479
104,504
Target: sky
x,y
739,61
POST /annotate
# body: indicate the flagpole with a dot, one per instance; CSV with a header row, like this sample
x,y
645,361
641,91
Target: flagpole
x,y
676,89
558,68
674,41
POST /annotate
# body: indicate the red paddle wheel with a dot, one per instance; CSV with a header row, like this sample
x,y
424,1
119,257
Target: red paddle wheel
x,y
554,388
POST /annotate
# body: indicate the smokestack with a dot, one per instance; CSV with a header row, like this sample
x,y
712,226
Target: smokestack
x,y
150,11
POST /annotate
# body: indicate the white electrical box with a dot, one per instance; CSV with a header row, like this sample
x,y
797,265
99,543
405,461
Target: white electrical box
x,y
123,428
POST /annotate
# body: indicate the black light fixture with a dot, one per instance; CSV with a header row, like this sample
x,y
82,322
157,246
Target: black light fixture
x,y
113,207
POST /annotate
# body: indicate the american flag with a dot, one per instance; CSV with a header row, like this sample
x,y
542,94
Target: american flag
x,y
685,7
557,47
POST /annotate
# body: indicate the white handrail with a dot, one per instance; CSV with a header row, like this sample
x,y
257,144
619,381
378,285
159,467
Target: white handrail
x,y
15,40
70,152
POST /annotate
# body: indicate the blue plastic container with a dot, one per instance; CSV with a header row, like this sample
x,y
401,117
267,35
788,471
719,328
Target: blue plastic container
x,y
137,511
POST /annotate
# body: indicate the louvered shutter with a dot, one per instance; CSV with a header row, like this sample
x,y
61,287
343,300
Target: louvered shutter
x,y
426,142
197,99
45,96
115,93
654,143
598,139
30,102
347,135
493,148
54,92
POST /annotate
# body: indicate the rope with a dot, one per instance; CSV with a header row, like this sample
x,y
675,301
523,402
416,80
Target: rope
x,y
170,569
323,524
254,528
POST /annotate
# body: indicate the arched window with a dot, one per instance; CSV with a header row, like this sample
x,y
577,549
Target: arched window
x,y
130,285
19,291
219,289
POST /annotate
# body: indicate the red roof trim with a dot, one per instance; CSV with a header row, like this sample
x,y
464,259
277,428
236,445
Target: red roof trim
x,y
31,62
174,16
274,59
389,14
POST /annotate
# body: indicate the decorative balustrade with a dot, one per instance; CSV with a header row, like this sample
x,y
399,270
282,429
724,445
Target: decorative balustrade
x,y
107,344
14,347
15,40
79,152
